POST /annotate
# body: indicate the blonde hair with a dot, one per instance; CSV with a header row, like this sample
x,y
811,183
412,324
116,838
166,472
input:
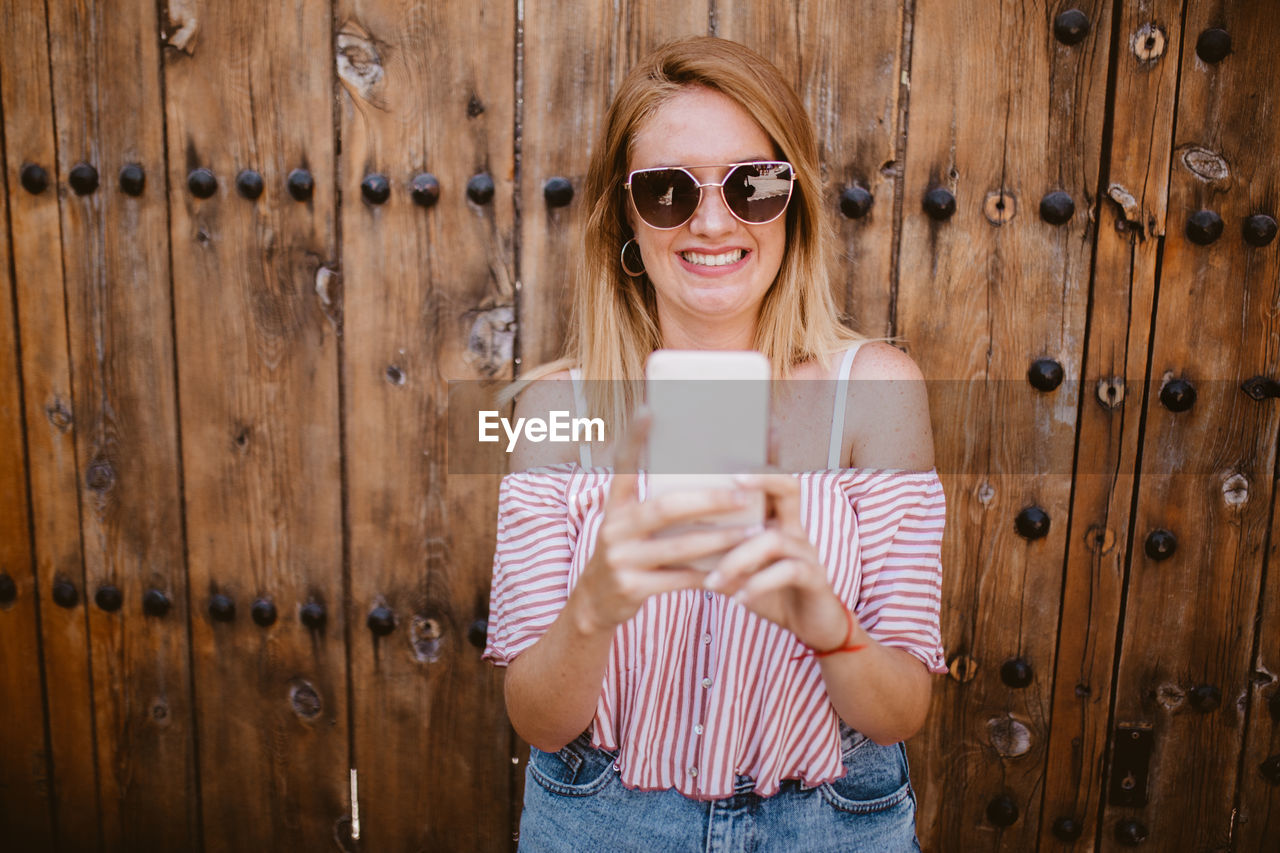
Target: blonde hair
x,y
613,326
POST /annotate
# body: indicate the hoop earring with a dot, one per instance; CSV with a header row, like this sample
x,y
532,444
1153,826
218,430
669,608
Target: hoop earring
x,y
636,253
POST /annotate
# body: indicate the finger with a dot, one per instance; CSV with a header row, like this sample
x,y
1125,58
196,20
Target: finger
x,y
682,507
668,580
782,492
680,549
625,487
755,555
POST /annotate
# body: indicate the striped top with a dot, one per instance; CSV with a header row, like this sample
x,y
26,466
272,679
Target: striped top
x,y
698,689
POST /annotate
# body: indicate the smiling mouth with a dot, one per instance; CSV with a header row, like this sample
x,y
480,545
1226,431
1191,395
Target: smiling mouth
x,y
719,260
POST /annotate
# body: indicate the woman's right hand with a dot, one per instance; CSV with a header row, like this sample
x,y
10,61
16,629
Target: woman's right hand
x,y
631,561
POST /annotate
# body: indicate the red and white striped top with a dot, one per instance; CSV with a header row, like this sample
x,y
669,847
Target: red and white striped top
x,y
697,688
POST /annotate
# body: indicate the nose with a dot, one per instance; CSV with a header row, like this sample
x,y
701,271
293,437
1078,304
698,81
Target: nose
x,y
712,217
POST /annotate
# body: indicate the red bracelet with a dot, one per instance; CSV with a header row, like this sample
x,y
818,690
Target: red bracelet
x,y
846,646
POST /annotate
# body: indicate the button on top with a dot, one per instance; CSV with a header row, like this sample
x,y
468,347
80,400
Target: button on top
x,y
697,730
693,771
708,595
706,639
706,682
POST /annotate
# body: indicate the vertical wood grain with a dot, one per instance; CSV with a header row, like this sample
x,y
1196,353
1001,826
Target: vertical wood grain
x,y
116,260
426,88
50,423
249,86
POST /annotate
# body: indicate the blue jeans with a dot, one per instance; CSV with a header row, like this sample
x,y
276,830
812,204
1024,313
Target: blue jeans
x,y
574,802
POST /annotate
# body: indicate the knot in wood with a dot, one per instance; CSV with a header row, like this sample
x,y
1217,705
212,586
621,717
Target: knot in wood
x,y
425,637
304,700
1148,42
999,207
1205,164
1100,540
962,668
986,493
1111,392
1008,737
1235,489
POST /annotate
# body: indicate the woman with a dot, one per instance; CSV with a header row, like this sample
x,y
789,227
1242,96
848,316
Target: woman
x,y
762,705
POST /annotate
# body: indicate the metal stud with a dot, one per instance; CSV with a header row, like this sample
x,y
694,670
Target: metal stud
x,y
313,615
64,593
939,203
34,178
425,189
557,191
375,188
1178,395
222,607
1130,833
1259,229
263,612
1044,374
133,179
83,178
1002,811
855,202
1213,45
1057,208
1032,523
155,602
381,621
1203,227
1071,27
1015,672
1160,544
1270,769
202,183
480,189
1205,698
108,598
8,589
1067,829
300,184
478,633
249,184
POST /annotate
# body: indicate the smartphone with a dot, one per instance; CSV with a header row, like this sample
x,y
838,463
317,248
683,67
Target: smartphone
x,y
710,420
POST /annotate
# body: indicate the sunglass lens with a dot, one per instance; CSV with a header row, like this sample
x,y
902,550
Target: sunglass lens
x,y
758,192
664,198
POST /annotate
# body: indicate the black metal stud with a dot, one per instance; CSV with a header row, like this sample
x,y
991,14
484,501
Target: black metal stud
x,y
300,184
939,203
108,598
249,184
1067,829
1203,227
478,633
1044,374
313,615
8,589
425,189
1015,672
1071,26
222,607
855,202
1130,833
34,178
1178,395
133,179
1213,45
202,183
557,191
381,621
155,602
375,188
1002,811
1057,208
480,189
1270,769
83,178
263,612
1032,523
1259,229
1205,698
64,593
1160,544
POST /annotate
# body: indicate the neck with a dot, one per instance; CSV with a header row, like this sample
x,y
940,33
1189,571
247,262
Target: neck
x,y
692,333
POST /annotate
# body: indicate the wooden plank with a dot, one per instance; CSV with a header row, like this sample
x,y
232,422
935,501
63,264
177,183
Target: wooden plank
x,y
845,60
429,296
50,424
575,54
25,817
1013,293
115,255
1131,215
1258,821
250,87
1185,665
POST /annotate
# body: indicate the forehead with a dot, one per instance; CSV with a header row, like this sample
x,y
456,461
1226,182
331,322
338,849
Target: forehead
x,y
699,126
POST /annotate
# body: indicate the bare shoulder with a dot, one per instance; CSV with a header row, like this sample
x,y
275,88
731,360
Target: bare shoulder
x,y
540,399
888,411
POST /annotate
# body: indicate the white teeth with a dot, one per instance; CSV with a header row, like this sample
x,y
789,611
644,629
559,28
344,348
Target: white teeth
x,y
730,257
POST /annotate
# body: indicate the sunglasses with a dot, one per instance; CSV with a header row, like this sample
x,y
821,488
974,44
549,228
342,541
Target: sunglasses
x,y
756,193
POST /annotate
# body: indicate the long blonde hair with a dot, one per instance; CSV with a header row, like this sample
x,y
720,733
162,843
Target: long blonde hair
x,y
613,326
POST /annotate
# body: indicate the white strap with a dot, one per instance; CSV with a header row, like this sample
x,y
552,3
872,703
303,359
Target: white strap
x,y
580,410
842,397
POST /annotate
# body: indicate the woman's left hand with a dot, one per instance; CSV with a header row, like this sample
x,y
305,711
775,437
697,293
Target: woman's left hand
x,y
778,574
